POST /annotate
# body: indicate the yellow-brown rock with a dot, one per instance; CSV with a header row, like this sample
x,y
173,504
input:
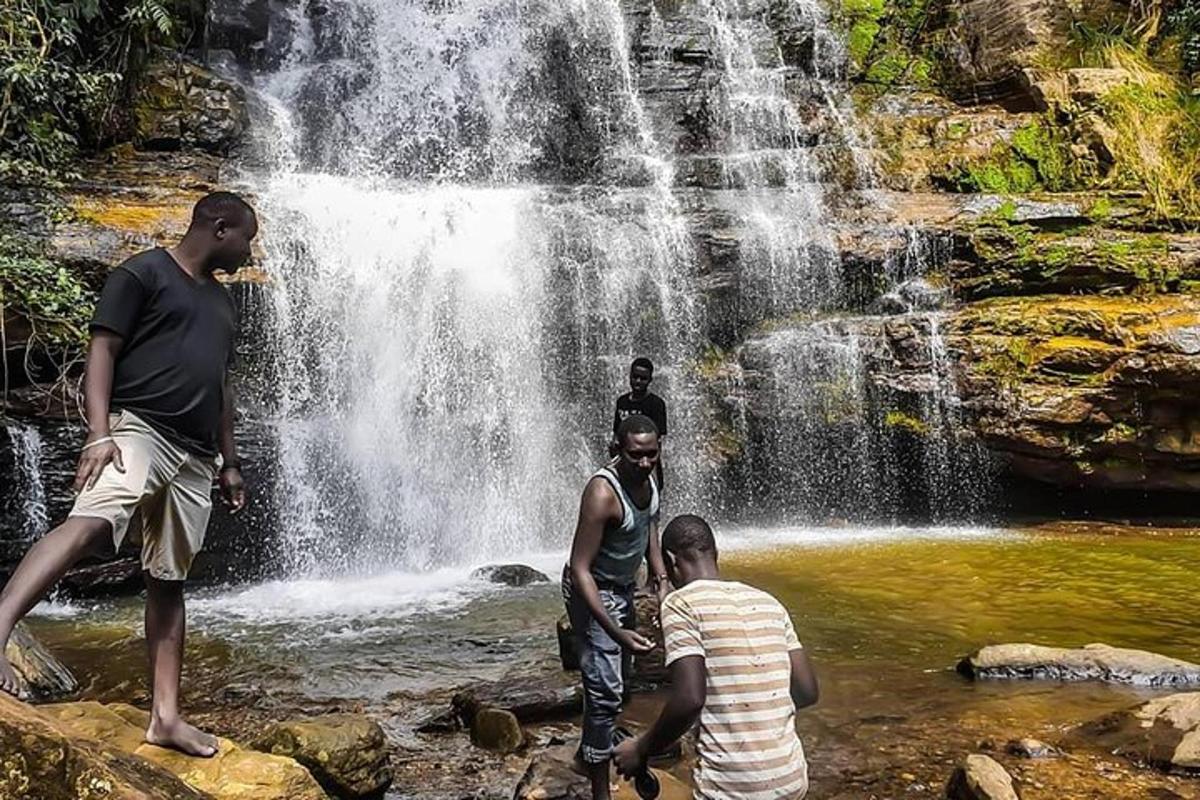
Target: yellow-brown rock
x,y
42,759
233,774
40,675
346,753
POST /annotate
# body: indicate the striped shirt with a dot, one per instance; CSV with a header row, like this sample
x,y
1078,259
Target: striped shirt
x,y
748,745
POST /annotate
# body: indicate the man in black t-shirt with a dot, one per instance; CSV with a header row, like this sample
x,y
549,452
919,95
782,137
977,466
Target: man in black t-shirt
x,y
160,430
640,400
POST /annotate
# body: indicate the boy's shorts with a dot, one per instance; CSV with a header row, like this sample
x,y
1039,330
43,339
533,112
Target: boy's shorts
x,y
171,487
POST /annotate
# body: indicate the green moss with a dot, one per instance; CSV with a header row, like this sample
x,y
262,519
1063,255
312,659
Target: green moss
x,y
1101,210
906,422
861,40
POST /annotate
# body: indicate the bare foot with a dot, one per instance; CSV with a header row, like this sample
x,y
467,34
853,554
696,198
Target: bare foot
x,y
178,735
8,678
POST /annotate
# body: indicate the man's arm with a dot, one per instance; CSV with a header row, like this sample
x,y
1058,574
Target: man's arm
x,y
595,510
804,688
688,693
658,569
97,391
233,489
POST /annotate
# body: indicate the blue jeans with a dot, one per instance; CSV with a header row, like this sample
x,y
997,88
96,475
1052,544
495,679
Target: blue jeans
x,y
602,664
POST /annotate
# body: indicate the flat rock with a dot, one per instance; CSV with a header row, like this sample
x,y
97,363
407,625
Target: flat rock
x,y
980,777
515,575
551,776
41,759
1163,733
42,676
346,753
233,774
1095,662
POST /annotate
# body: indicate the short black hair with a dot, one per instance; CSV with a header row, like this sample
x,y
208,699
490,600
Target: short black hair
x,y
635,424
688,532
222,205
644,363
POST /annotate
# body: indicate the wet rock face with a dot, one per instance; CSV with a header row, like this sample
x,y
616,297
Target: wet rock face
x,y
1163,733
515,575
1095,662
184,105
346,753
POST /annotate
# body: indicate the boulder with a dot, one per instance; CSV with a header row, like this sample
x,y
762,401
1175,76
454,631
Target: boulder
x,y
1163,733
551,776
40,759
497,730
1095,662
1087,86
1031,748
233,774
346,753
42,676
980,777
515,575
182,105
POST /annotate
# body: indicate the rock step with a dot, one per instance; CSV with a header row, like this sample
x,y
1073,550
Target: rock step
x,y
1094,662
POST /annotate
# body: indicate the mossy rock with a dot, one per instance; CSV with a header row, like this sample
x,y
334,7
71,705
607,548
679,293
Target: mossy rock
x,y
346,753
496,730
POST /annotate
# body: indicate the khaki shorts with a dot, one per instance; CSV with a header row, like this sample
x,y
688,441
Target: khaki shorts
x,y
170,487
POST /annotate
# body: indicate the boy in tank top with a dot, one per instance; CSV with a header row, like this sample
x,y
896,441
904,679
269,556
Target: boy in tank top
x,y
617,528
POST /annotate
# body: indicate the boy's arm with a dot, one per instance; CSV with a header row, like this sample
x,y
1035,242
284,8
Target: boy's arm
x,y
594,513
688,693
97,391
804,689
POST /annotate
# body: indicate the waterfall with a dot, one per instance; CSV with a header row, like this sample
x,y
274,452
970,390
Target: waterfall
x,y
29,489
479,211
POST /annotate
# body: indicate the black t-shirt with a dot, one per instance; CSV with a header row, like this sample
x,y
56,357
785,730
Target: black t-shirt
x,y
651,406
178,342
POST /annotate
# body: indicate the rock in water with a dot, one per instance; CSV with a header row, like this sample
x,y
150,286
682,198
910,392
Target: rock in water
x,y
233,774
1164,733
346,753
509,574
1031,748
42,676
43,760
1095,662
551,776
497,730
980,778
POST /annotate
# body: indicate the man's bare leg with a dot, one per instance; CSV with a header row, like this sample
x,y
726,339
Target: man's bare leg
x,y
166,622
600,776
45,563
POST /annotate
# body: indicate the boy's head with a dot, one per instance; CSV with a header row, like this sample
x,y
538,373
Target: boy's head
x,y
637,439
224,224
641,373
689,549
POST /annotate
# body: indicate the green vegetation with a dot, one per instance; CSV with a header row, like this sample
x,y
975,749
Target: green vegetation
x,y
1037,156
906,422
886,41
66,69
51,298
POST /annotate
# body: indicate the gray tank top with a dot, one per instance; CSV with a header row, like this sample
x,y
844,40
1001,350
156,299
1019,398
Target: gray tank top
x,y
624,545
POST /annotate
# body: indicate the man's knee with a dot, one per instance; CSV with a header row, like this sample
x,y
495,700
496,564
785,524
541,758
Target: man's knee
x,y
89,534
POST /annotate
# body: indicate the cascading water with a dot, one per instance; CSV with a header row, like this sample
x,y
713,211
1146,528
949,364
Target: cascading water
x,y
478,215
30,489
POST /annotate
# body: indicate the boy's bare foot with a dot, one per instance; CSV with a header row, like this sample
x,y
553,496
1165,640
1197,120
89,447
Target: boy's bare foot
x,y
8,677
178,735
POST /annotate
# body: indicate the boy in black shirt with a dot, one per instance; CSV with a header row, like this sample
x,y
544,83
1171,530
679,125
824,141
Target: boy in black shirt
x,y
640,400
160,431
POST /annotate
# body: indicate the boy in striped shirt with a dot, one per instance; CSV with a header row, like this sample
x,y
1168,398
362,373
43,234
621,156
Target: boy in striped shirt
x,y
737,667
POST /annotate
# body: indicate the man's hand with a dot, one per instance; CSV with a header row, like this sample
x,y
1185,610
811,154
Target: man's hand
x,y
233,488
634,642
630,756
94,459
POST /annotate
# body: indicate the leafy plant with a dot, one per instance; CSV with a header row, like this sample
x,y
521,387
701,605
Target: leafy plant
x,y
50,297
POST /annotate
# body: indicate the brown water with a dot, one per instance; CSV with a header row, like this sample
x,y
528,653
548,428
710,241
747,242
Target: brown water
x,y
885,616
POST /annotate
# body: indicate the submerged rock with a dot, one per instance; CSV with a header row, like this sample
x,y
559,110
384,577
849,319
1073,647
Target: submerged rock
x,y
980,777
233,774
515,575
346,753
1031,748
497,730
1095,662
41,676
1163,733
40,758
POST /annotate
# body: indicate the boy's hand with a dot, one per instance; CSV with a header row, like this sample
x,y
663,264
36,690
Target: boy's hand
x,y
634,642
233,488
630,757
94,459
